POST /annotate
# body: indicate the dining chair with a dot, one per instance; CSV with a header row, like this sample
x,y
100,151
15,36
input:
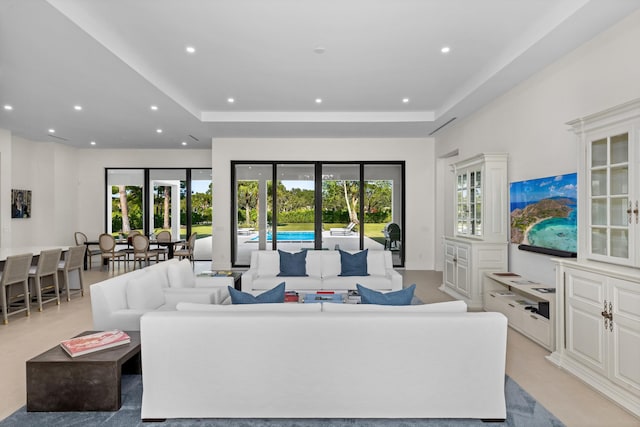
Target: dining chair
x,y
15,272
81,239
73,260
163,236
108,251
186,251
47,268
141,250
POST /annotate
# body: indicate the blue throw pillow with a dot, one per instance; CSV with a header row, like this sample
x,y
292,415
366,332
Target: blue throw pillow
x,y
401,297
293,264
274,295
353,264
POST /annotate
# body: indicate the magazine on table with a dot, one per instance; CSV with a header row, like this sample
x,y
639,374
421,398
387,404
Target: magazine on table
x,y
86,344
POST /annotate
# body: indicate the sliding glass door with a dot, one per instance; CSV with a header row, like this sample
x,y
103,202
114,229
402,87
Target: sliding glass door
x,y
151,200
317,205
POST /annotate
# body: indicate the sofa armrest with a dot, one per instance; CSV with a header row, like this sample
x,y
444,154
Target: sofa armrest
x,y
201,295
396,279
247,279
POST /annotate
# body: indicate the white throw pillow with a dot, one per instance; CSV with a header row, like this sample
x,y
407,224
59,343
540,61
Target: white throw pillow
x,y
268,263
144,292
181,275
219,308
375,263
438,307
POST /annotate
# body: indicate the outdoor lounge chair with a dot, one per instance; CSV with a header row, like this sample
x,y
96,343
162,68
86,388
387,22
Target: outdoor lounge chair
x,y
343,231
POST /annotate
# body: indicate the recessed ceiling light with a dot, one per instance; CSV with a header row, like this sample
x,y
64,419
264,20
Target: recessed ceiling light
x,y
319,50
231,100
92,143
184,143
77,107
159,130
405,100
318,100
8,107
154,107
52,131
190,49
445,49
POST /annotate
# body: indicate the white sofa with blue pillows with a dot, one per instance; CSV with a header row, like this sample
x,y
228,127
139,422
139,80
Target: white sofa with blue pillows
x,y
323,361
323,270
118,302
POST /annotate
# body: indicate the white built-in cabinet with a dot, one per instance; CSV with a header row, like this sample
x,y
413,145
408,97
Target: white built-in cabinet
x,y
480,227
598,328
598,295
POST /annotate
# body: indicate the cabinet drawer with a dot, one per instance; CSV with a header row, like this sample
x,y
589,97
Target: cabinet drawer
x,y
493,302
537,327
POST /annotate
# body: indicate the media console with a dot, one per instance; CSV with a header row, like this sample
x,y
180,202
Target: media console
x,y
528,305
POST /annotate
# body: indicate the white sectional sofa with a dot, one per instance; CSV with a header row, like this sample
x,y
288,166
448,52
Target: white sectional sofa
x,y
323,269
118,302
323,361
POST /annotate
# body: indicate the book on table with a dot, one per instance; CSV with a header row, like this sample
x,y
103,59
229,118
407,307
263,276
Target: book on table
x,y
322,297
216,273
86,344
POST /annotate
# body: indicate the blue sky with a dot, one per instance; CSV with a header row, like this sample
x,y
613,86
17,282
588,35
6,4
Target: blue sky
x,y
535,190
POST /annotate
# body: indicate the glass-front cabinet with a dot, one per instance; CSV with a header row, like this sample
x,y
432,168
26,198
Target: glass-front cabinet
x,y
607,186
481,197
469,203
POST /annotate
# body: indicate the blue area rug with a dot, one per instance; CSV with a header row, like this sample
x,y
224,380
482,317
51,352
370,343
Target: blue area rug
x,y
522,411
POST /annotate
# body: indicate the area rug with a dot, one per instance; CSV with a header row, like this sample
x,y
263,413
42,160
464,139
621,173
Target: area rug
x,y
522,411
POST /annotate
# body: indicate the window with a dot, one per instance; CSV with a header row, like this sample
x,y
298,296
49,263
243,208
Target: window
x,y
317,205
151,200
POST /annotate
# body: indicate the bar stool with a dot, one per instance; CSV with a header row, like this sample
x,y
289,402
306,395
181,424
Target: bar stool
x,y
47,267
15,272
74,260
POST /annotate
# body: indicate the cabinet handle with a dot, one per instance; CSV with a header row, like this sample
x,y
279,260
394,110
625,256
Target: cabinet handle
x,y
492,295
533,317
511,305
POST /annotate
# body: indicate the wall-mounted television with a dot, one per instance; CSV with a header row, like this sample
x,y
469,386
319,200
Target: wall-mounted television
x,y
544,215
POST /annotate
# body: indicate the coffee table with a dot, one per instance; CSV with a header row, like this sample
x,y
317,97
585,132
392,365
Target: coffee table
x,y
57,382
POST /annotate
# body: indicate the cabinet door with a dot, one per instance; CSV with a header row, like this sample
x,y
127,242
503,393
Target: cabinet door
x,y
463,277
584,323
625,334
610,208
450,265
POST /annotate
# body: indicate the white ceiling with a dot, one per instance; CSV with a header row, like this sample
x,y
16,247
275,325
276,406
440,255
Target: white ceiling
x,y
116,58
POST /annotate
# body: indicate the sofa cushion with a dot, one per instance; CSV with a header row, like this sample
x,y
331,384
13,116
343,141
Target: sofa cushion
x,y
330,263
293,264
353,264
401,297
260,307
181,275
314,263
268,263
438,307
144,292
271,296
375,263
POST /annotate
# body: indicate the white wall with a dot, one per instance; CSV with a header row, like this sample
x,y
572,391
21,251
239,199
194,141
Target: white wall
x,y
529,121
419,181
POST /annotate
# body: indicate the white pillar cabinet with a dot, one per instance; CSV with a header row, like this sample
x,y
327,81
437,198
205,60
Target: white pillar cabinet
x,y
480,227
598,295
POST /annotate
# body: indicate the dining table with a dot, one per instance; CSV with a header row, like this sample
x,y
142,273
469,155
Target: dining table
x,y
169,244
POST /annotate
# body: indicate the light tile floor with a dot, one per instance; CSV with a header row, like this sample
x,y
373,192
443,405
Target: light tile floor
x,y
574,403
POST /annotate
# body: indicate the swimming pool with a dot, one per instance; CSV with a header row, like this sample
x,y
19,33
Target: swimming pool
x,y
290,236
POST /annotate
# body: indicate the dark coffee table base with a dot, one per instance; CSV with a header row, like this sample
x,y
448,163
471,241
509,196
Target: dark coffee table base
x,y
56,382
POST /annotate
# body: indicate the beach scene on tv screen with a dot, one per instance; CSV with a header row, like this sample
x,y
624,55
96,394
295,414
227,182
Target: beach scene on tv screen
x,y
544,212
